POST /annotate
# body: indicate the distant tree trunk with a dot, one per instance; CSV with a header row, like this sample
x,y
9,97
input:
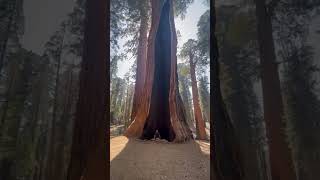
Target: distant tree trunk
x,y
39,92
185,95
200,124
128,106
43,118
204,99
280,156
226,150
89,157
59,161
13,73
51,134
141,62
161,105
125,107
115,94
5,42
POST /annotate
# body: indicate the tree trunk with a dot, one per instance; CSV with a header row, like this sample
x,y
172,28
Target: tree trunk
x,y
4,45
51,134
59,161
89,158
226,150
161,106
280,156
200,124
12,80
185,95
43,118
125,107
141,63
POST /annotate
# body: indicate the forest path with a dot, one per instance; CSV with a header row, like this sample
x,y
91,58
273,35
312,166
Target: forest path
x,y
132,159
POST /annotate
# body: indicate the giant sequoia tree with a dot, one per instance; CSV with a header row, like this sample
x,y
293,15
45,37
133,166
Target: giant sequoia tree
x,y
88,154
161,106
281,161
190,52
139,10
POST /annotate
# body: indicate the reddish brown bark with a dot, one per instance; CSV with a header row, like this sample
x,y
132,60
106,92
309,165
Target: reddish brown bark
x,y
200,126
280,156
177,115
89,156
141,63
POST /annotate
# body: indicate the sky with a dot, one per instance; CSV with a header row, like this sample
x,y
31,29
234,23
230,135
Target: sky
x,y
42,19
187,27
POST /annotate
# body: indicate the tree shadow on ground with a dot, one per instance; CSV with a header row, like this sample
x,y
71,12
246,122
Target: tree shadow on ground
x,y
145,160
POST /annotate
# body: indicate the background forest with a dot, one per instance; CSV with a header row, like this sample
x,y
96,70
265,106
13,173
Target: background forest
x,y
39,86
39,92
270,79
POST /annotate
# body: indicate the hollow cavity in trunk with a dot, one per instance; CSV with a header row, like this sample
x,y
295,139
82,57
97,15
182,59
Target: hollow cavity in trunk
x,y
159,113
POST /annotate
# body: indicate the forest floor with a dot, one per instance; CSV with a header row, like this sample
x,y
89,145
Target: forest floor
x,y
133,159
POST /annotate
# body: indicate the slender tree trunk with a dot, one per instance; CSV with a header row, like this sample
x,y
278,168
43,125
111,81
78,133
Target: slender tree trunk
x,y
52,132
115,94
4,45
129,105
43,117
141,62
174,124
200,124
89,158
11,81
226,149
127,108
186,99
280,155
59,163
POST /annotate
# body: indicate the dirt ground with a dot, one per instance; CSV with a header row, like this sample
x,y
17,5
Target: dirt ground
x,y
132,159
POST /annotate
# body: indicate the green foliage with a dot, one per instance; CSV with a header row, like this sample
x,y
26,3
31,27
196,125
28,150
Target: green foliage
x,y
192,52
184,70
301,103
54,46
114,66
204,33
188,49
75,26
180,7
117,18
